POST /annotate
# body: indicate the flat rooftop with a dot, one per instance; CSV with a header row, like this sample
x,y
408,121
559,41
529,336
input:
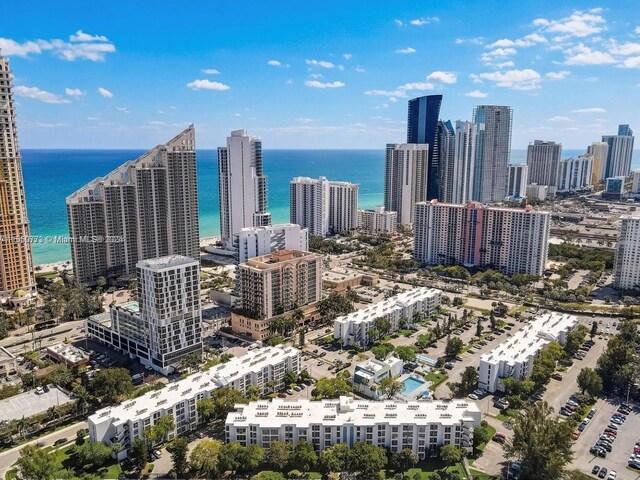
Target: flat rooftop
x,y
266,262
68,352
348,411
340,275
30,403
165,262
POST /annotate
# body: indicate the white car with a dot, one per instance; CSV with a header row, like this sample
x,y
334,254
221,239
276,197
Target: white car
x,y
478,392
473,396
39,391
613,475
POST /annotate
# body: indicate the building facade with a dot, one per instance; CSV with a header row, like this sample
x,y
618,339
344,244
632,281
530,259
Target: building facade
x,y
377,221
493,149
575,174
400,310
514,357
17,275
626,267
243,186
368,375
543,160
620,152
599,151
123,423
418,426
146,208
613,188
458,163
510,240
253,242
518,174
324,207
405,180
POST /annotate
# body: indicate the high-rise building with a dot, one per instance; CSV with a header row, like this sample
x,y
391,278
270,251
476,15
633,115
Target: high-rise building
x,y
613,188
377,221
518,173
626,266
493,148
165,324
510,240
422,127
575,174
243,186
143,209
324,207
543,160
17,277
446,157
599,152
620,152
253,242
635,182
273,285
405,180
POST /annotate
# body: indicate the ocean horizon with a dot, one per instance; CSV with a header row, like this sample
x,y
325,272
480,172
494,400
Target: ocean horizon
x,y
50,175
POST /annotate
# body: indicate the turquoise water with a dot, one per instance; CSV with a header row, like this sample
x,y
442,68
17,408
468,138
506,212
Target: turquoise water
x,y
410,384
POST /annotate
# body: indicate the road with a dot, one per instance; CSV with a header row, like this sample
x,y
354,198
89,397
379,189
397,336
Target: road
x,y
23,341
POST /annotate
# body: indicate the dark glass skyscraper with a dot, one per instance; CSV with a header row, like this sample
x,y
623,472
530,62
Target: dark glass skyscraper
x,y
422,126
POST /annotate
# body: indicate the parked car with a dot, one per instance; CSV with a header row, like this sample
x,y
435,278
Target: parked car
x,y
499,437
595,470
602,473
448,366
613,475
60,441
557,376
157,454
473,396
39,391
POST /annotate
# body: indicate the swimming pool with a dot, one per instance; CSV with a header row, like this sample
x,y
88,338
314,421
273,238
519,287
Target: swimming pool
x,y
410,384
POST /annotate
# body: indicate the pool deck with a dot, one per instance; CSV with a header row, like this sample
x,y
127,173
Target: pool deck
x,y
414,394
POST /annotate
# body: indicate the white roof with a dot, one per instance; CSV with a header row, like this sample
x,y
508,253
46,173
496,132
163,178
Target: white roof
x,y
166,262
348,411
533,337
68,352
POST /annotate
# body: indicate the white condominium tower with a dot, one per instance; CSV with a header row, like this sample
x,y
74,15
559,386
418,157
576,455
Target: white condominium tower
x,y
146,208
575,173
16,265
253,242
619,153
169,297
543,160
405,181
459,165
510,240
493,149
626,267
323,206
243,186
518,173
377,221
599,152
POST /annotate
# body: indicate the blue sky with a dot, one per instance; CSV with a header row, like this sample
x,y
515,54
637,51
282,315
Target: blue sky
x,y
124,74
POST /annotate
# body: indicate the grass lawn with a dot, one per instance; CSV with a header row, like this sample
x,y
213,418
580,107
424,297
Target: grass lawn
x,y
480,475
492,432
406,333
436,379
428,467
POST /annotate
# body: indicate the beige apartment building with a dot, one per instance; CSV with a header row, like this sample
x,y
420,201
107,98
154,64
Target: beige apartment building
x,y
273,285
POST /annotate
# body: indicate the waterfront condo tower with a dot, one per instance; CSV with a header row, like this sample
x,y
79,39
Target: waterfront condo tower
x,y
17,278
543,160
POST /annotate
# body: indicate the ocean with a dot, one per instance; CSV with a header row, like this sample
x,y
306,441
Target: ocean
x,y
51,175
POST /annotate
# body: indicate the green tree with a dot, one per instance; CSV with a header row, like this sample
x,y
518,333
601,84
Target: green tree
x,y
92,455
230,457
574,341
253,393
403,460
331,388
481,435
479,327
541,442
205,409
111,385
279,454
594,330
179,449
468,382
204,461
139,454
454,347
252,457
304,456
382,351
382,325
450,455
589,382
390,386
290,377
335,458
160,430
406,353
367,459
224,400
545,363
35,464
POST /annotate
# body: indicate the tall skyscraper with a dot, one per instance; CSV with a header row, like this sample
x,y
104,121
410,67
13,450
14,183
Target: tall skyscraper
x,y
492,152
543,160
620,152
422,127
16,267
446,156
323,206
405,180
457,186
143,209
575,173
599,152
243,186
510,240
518,173
626,266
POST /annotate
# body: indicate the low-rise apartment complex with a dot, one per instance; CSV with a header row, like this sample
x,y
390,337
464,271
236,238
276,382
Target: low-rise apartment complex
x,y
418,426
354,328
124,423
514,357
368,374
377,221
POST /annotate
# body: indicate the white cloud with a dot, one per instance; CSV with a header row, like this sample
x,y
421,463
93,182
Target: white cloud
x,y
526,41
315,75
559,118
359,69
579,24
406,50
74,92
210,71
80,36
508,63
347,56
628,48
317,84
387,93
470,41
11,47
94,51
274,63
341,68
207,85
157,123
631,62
41,95
305,120
557,75
319,63
526,79
93,119
399,23
123,109
498,53
418,22
476,94
105,93
442,77
416,86
589,110
637,31
582,55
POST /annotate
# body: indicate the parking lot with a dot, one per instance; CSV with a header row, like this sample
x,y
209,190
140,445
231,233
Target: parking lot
x,y
30,403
